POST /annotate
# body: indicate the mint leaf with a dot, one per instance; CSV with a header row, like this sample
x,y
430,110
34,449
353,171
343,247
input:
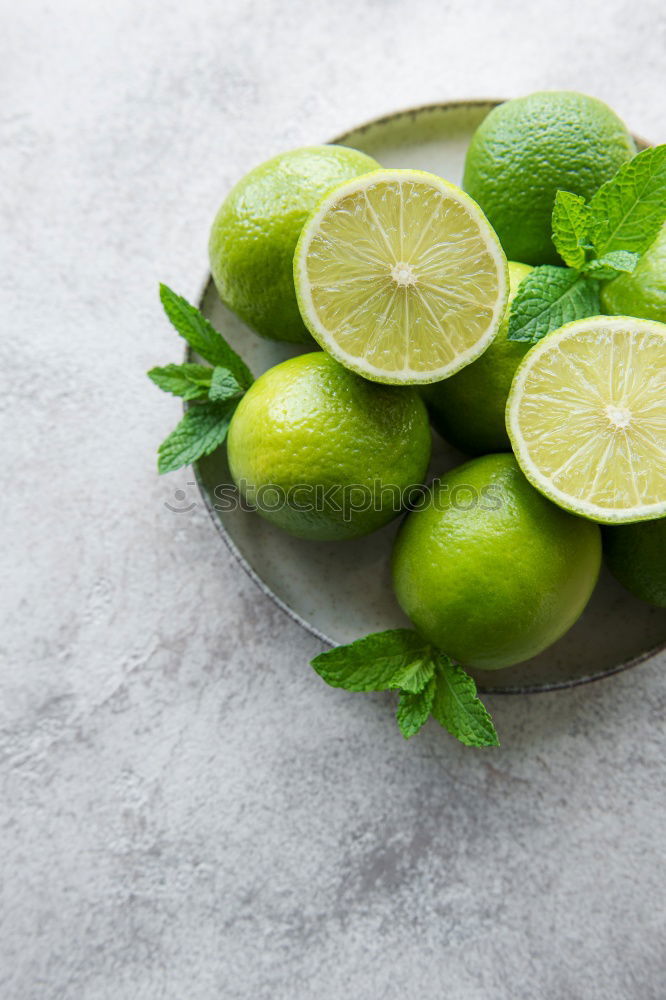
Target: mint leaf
x,y
203,429
571,222
414,709
371,664
414,677
611,264
429,682
627,211
189,381
548,298
203,337
223,386
457,707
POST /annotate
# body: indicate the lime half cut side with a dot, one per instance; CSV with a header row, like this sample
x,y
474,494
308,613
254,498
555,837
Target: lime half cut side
x,y
400,276
587,418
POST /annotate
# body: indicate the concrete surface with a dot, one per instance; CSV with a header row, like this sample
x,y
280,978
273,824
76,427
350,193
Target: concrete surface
x,y
187,811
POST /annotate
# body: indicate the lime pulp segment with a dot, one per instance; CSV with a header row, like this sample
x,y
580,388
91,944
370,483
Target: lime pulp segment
x,y
400,277
587,418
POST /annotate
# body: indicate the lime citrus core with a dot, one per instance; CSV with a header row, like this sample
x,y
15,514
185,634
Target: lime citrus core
x,y
587,418
400,277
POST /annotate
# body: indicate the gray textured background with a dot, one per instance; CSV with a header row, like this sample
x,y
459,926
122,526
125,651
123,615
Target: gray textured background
x,y
186,810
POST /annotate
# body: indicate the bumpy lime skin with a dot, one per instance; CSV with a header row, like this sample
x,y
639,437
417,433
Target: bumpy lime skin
x,y
468,408
636,556
527,149
490,571
642,293
310,422
254,235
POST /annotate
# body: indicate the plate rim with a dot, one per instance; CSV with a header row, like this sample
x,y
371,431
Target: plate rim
x,y
230,544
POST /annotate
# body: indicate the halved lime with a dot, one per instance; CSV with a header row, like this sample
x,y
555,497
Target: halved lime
x,y
400,277
587,418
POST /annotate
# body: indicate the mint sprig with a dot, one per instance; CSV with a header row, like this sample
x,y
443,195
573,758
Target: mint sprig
x,y
372,663
189,381
415,675
571,223
224,385
202,336
627,212
457,707
202,430
613,263
213,392
414,709
429,683
549,297
597,241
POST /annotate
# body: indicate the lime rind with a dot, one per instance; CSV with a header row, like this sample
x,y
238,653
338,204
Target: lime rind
x,y
486,313
255,231
612,435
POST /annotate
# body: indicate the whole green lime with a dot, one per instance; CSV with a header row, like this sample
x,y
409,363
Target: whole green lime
x,y
527,149
468,408
642,293
636,555
325,454
489,570
254,235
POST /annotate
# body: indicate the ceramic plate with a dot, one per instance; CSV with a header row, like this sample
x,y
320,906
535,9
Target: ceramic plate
x,y
341,591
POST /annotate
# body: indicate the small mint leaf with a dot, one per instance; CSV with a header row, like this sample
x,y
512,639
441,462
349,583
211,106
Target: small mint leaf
x,y
611,264
627,211
414,677
189,381
571,222
203,429
223,386
370,664
548,297
457,707
414,709
203,337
